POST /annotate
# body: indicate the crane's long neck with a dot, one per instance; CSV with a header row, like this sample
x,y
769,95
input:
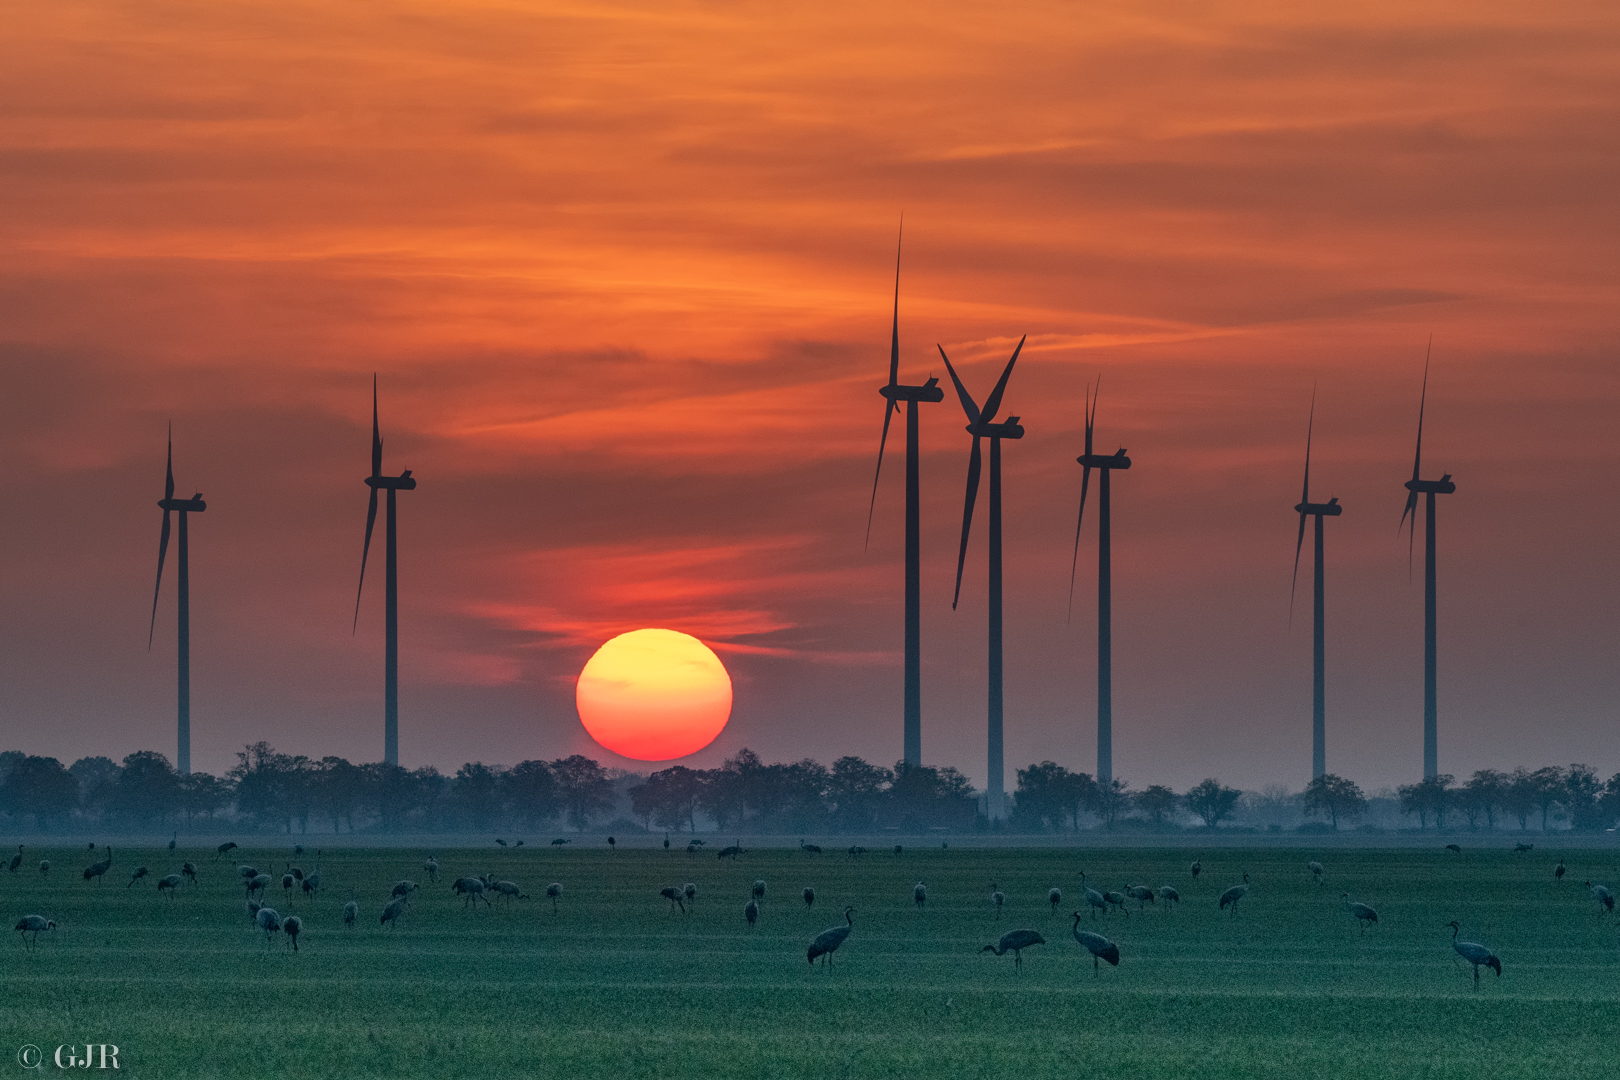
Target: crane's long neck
x,y
1454,932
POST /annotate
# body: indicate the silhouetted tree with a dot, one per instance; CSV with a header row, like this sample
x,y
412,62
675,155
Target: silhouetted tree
x,y
1427,798
1212,802
338,790
1582,789
1481,797
1334,797
202,794
475,794
856,789
735,788
1547,784
531,792
669,798
794,797
1519,796
584,788
1110,801
924,796
9,759
41,787
267,785
148,788
1609,801
1041,799
98,782
1158,802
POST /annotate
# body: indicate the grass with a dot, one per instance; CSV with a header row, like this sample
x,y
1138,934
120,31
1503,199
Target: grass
x,y
617,986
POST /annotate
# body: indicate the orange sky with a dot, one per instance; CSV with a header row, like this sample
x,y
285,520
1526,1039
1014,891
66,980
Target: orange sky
x,y
624,271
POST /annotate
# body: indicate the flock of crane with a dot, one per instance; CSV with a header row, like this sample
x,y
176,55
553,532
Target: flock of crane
x,y
480,888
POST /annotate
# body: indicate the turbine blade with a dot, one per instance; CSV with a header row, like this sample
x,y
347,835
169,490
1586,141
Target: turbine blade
x,y
168,475
1091,412
365,552
163,550
1074,565
894,339
889,409
1298,547
1310,428
992,404
967,517
968,407
376,438
1423,401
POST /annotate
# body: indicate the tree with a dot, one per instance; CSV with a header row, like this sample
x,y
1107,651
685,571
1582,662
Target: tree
x,y
1427,798
338,790
1582,789
1159,802
669,798
584,788
39,786
1041,799
202,794
735,788
148,788
1212,802
1110,800
856,788
1609,801
1519,796
1481,796
475,794
531,792
1547,786
924,796
1334,797
267,785
98,781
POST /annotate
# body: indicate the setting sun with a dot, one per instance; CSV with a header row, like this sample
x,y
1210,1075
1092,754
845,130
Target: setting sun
x,y
654,695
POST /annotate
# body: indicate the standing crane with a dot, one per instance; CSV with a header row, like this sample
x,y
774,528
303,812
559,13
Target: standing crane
x,y
1474,953
33,924
1098,946
1600,893
998,898
351,912
751,911
809,849
16,860
759,889
809,897
292,926
96,870
140,872
553,893
1197,868
1093,898
919,895
689,891
1363,914
432,868
673,895
1316,870
1015,941
1558,871
1169,894
1054,897
170,883
1234,894
826,943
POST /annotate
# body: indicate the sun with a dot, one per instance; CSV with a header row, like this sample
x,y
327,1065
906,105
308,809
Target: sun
x,y
654,695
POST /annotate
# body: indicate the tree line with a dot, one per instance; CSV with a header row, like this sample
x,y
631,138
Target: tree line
x,y
268,790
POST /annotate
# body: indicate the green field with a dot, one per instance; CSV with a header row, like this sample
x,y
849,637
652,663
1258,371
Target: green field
x,y
617,986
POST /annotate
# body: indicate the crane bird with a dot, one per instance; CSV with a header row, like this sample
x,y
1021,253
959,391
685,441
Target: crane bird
x,y
1316,870
554,892
1523,847
809,897
298,874
759,889
666,840
856,849
472,888
247,871
174,839
919,894
140,872
33,924
673,895
404,888
92,846
613,845
1474,953
391,913
1363,914
432,868
253,907
189,872
1197,868
1234,894
312,880
1054,897
998,898
501,842
1098,946
287,883
351,912
45,867
257,884
171,883
1558,871
1015,941
560,841
1117,899
1169,894
298,849
16,860
96,870
1454,847
1600,893
732,851
292,926
1142,894
689,891
509,891
809,849
826,943
269,921
751,911
1093,897
229,845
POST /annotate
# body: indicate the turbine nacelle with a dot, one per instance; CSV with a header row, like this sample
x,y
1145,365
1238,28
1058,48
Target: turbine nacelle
x,y
403,482
1007,429
929,391
1116,460
1331,508
194,504
1442,486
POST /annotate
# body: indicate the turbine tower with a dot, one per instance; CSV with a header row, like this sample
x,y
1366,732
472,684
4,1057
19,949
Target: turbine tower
x,y
183,507
1106,464
894,393
1429,488
1306,508
981,426
378,482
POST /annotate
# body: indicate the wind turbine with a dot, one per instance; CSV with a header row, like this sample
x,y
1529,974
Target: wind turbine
x,y
378,482
894,393
193,505
981,425
1306,508
1106,464
1429,488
